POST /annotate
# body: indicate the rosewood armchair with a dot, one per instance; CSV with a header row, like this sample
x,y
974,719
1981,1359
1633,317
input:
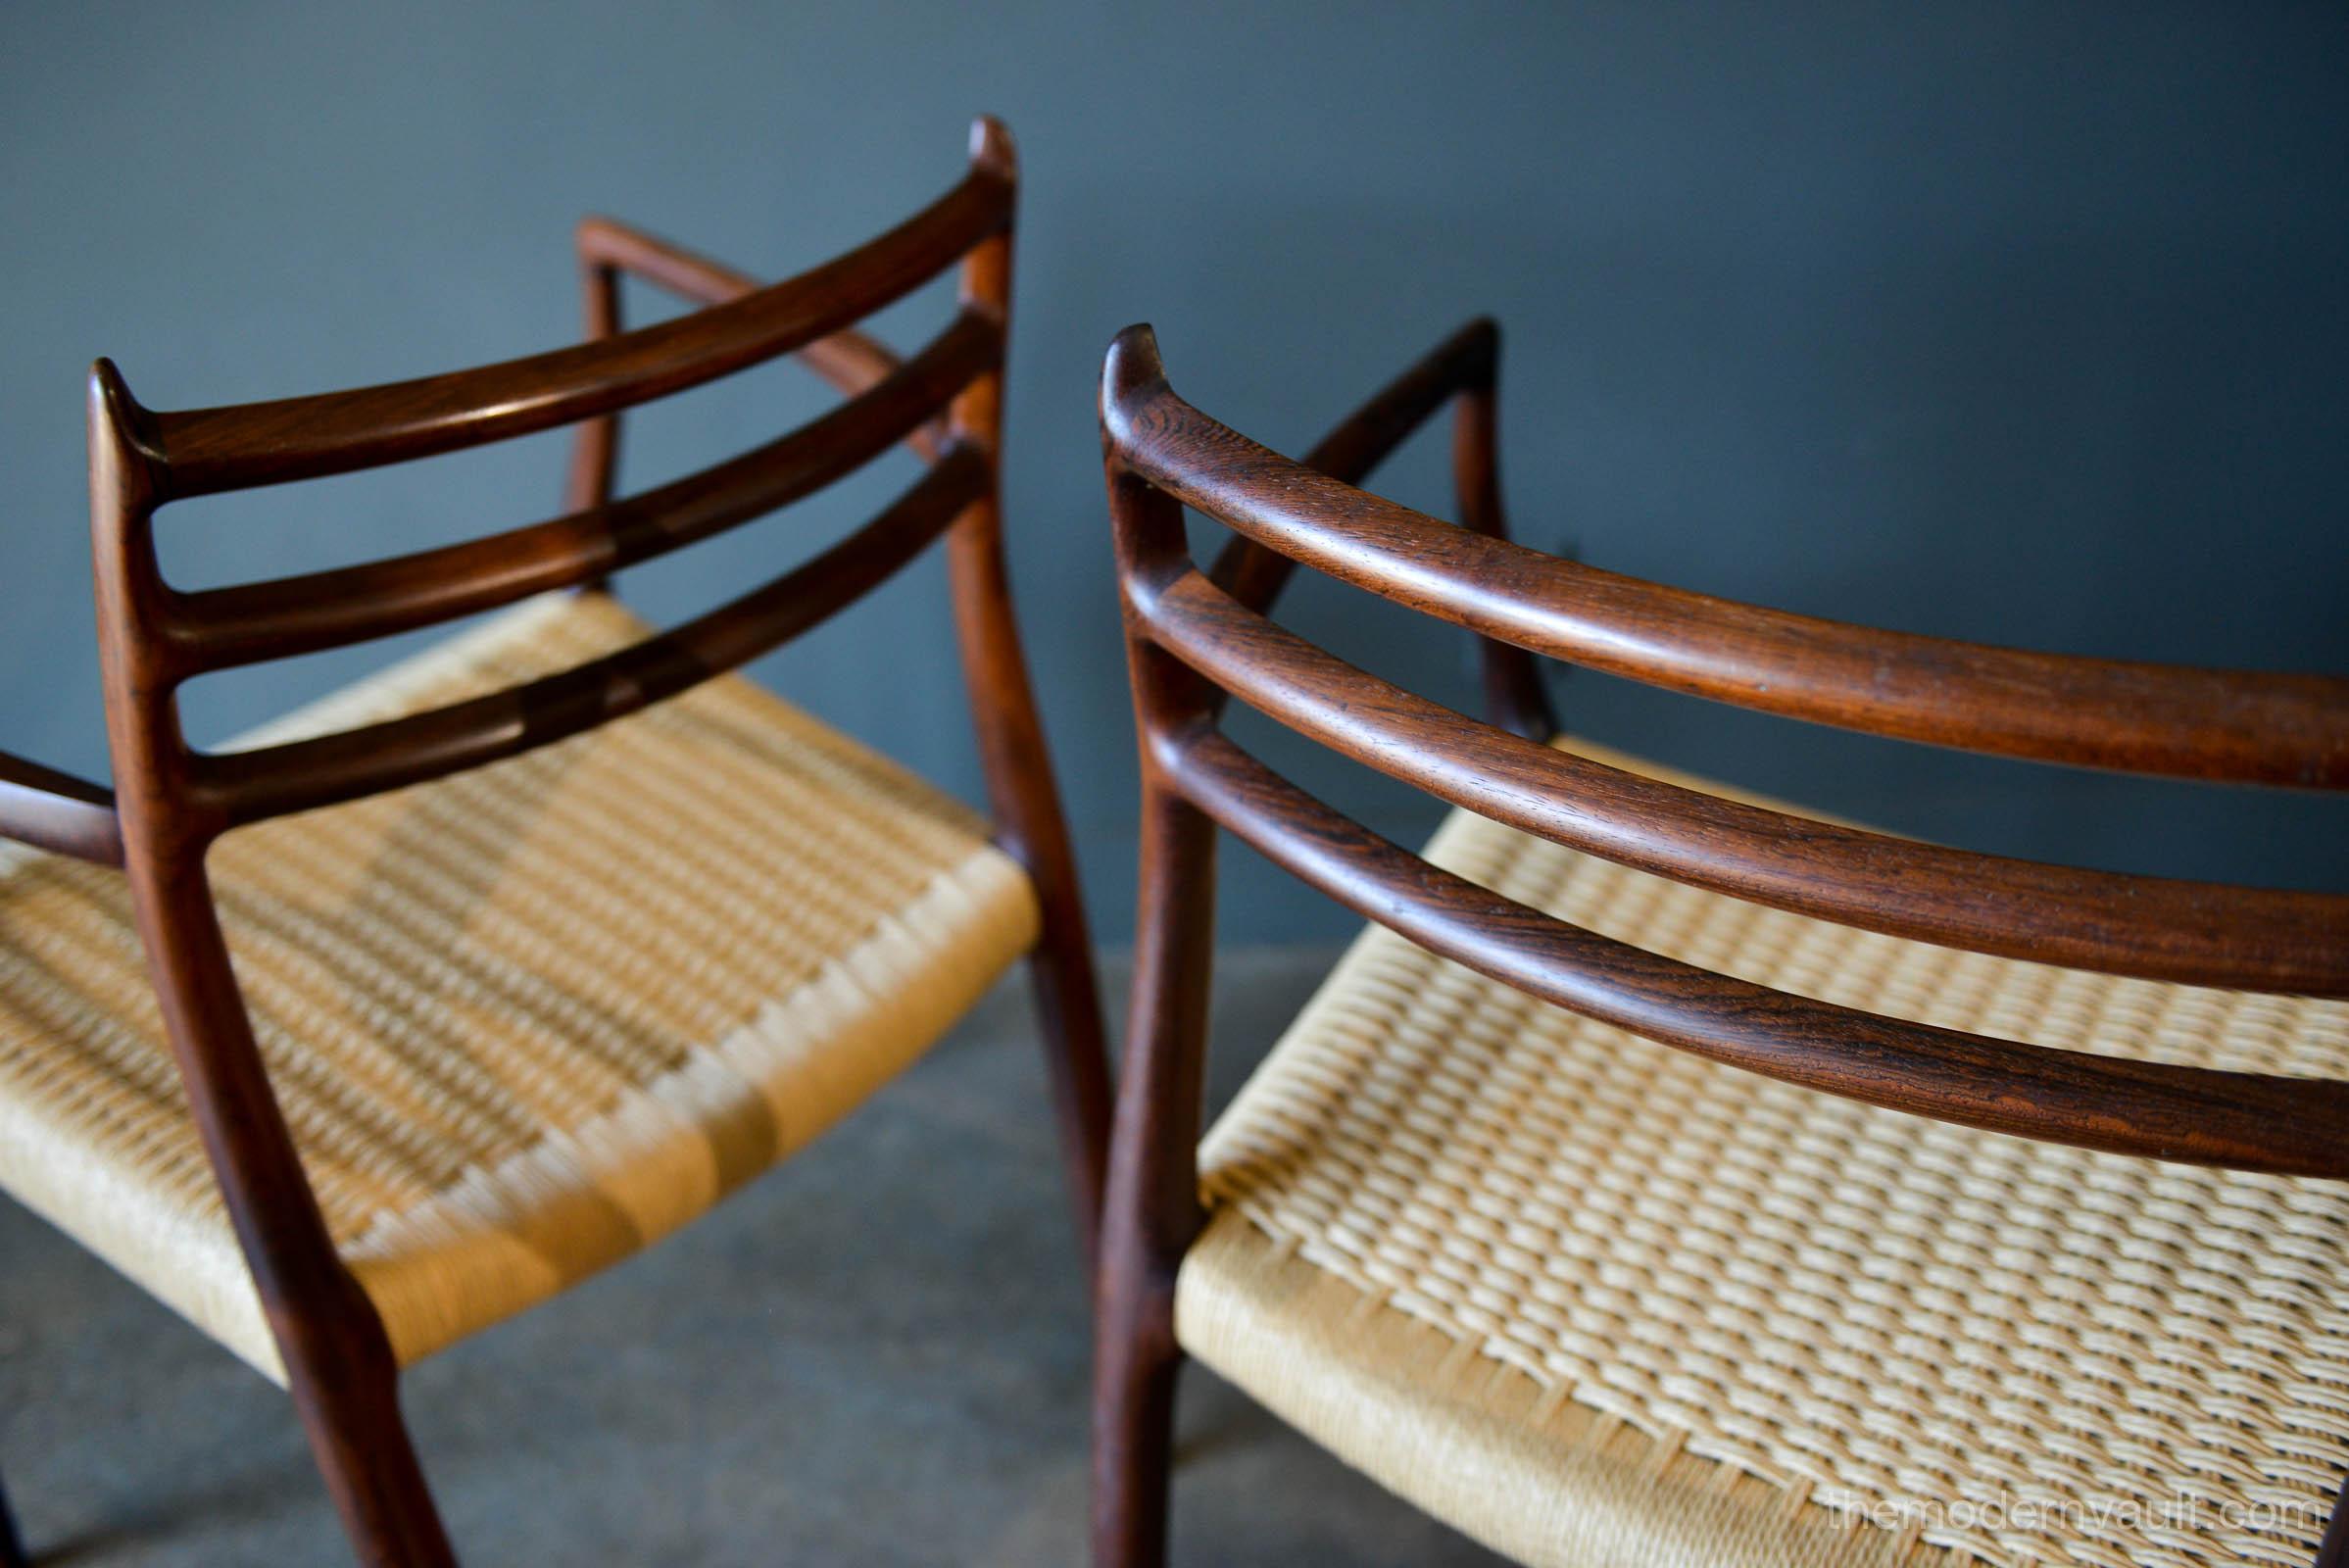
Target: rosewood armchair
x,y
490,970
1669,1177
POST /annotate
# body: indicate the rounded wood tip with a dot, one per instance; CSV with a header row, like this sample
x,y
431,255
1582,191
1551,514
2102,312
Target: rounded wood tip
x,y
108,386
990,147
111,406
121,436
1481,340
1130,374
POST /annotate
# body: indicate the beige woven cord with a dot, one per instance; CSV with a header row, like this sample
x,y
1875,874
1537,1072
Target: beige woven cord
x,y
1600,1302
522,1021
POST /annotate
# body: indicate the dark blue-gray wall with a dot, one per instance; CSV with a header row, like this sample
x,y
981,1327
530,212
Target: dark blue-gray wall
x,y
2016,322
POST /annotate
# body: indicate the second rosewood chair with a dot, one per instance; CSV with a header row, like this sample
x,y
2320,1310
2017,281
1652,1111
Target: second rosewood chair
x,y
1668,1179
488,971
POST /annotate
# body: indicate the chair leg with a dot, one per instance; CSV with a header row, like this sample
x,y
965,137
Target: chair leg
x,y
1135,1365
12,1544
1151,1213
2333,1551
350,1408
1076,1059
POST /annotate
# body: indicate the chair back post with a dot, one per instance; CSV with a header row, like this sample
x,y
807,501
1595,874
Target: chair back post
x,y
1162,1082
1152,1212
1025,799
338,1360
595,444
1515,699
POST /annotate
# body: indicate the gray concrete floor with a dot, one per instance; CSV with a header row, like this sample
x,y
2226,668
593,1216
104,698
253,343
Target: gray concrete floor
x,y
876,1354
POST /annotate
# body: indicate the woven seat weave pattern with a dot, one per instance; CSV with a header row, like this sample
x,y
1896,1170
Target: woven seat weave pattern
x,y
523,1020
1599,1301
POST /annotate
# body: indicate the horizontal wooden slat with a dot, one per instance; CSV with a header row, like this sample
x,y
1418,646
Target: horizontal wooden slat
x,y
221,627
238,787
2197,933
2248,1121
2243,726
206,450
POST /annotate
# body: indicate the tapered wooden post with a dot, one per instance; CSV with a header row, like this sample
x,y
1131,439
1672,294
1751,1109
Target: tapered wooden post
x,y
1029,824
338,1361
1151,1214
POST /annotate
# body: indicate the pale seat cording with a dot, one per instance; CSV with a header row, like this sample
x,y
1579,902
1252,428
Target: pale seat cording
x,y
1599,1303
523,1020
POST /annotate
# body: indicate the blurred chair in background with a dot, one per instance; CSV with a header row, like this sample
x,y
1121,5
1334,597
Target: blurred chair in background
x,y
548,937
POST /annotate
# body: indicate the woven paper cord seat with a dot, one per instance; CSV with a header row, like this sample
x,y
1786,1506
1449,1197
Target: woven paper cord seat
x,y
1598,1301
523,1020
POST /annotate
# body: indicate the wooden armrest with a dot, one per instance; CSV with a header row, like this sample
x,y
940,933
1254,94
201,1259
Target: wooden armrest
x,y
850,360
57,812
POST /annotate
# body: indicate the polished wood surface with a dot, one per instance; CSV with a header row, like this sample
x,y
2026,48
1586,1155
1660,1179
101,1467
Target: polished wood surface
x,y
2244,726
210,449
2199,932
1029,822
221,627
247,786
1195,638
172,800
2245,1121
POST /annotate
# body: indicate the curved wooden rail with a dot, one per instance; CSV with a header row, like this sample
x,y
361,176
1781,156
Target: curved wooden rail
x,y
58,813
1462,369
2246,1121
240,786
2244,726
850,359
202,450
221,627
2193,932
1252,571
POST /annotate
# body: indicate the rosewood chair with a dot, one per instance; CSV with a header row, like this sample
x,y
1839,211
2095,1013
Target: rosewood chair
x,y
546,939
1669,1177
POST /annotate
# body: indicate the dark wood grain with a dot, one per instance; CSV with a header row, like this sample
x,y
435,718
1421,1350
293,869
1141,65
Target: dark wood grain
x,y
208,450
2200,933
849,358
1030,824
2244,726
2121,1105
173,802
337,1359
1151,1214
1460,371
221,627
233,788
